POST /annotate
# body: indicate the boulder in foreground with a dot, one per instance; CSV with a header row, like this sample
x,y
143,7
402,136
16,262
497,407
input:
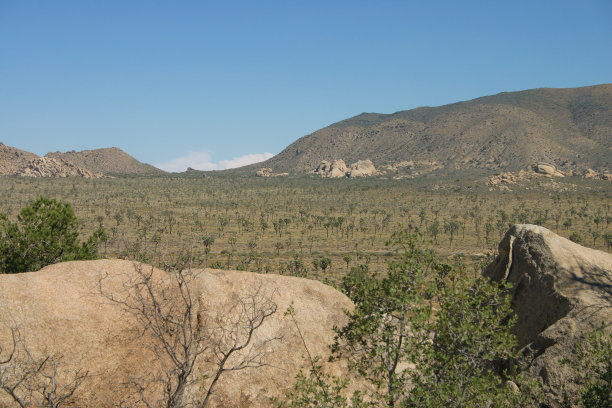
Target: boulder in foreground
x,y
60,312
561,290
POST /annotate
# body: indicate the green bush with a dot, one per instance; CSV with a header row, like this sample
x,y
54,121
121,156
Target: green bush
x,y
425,336
46,232
576,237
593,358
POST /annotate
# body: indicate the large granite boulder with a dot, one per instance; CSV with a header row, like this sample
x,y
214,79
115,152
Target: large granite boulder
x,y
363,168
338,169
548,170
561,290
60,312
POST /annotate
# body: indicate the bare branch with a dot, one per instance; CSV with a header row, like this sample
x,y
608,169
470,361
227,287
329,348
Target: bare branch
x,y
171,312
234,332
32,381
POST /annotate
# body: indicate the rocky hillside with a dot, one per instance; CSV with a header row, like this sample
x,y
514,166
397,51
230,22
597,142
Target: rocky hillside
x,y
21,163
568,128
107,161
560,292
49,167
12,159
87,163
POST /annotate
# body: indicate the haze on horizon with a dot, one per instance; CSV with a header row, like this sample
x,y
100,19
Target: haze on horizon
x,y
214,86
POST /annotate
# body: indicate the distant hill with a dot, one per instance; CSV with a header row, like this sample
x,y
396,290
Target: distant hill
x,y
12,160
570,128
21,163
87,163
107,161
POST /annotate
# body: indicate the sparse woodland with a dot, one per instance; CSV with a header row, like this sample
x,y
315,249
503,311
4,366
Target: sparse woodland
x,y
311,227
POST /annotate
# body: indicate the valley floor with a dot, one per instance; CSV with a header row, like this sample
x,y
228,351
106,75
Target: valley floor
x,y
288,225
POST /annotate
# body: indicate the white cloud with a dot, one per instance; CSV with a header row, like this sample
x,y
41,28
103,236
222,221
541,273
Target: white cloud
x,y
244,160
202,160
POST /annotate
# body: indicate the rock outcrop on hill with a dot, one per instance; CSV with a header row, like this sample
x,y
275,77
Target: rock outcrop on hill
x,y
12,159
548,170
592,174
529,180
267,172
48,167
110,160
561,291
363,168
59,311
339,169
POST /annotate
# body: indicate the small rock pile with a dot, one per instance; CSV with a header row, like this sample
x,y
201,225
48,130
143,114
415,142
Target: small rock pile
x,y
267,172
595,175
504,178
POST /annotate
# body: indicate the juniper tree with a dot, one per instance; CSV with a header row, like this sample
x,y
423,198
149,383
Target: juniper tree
x,y
46,232
425,336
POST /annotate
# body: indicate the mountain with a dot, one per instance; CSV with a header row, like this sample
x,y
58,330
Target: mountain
x,y
569,128
12,159
107,161
21,163
87,163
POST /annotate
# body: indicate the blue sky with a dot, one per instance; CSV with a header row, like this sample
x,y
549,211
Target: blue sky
x,y
218,84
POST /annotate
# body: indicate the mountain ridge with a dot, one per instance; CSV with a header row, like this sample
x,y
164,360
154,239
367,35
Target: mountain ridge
x,y
85,163
13,159
109,160
570,128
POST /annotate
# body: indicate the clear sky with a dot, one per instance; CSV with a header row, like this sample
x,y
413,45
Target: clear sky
x,y
214,84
